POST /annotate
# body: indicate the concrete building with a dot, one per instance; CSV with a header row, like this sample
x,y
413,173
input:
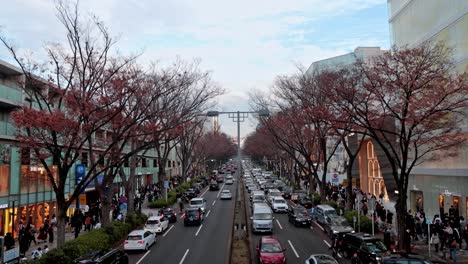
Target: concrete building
x,y
435,186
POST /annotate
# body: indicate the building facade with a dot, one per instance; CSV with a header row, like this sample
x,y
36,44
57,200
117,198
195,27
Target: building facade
x,y
436,185
26,195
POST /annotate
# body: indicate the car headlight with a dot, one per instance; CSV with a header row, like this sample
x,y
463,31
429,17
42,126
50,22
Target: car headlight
x,y
335,232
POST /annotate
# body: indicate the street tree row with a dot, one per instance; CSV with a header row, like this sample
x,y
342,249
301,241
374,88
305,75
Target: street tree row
x,y
410,102
86,97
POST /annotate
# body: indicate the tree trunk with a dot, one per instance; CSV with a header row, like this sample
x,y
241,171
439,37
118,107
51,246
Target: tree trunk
x,y
349,188
161,176
401,210
61,215
106,207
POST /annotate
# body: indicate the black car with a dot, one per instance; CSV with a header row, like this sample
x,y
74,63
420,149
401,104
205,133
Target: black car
x,y
287,192
337,226
170,214
190,193
368,248
214,186
104,256
404,258
193,216
305,201
298,216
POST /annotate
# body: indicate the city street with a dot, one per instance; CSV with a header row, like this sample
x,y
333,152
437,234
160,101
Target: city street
x,y
195,244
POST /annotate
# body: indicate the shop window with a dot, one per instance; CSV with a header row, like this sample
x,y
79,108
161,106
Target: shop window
x,y
84,158
34,178
441,205
25,156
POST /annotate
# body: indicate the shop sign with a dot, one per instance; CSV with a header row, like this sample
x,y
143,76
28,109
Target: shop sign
x,y
11,256
3,206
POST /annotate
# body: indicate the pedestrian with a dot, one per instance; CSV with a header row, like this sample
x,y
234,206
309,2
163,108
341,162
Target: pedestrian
x,y
51,234
435,241
9,241
181,204
453,250
88,223
465,236
407,241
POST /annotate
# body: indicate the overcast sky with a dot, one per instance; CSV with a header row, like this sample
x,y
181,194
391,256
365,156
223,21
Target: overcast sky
x,y
244,43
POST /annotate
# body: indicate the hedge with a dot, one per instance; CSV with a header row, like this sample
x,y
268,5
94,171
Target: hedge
x,y
97,239
366,223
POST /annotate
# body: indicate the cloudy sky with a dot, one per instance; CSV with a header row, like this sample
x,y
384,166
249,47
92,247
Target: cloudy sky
x,y
244,43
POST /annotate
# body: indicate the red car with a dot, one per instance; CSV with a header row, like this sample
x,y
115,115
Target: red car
x,y
269,250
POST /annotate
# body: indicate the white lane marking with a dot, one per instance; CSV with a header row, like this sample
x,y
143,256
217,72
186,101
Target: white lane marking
x,y
208,213
167,231
182,216
311,227
319,226
213,202
147,252
183,258
279,224
222,187
203,193
292,247
196,234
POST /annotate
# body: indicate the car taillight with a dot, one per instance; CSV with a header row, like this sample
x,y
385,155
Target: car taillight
x,y
141,242
126,242
175,214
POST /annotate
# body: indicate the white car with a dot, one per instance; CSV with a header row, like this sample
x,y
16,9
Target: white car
x,y
139,240
226,195
198,203
157,224
278,204
321,258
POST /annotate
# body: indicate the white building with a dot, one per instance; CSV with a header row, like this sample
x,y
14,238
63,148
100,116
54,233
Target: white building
x,y
436,185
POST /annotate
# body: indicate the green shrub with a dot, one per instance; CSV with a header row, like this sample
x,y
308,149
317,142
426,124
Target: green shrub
x,y
316,199
97,239
366,223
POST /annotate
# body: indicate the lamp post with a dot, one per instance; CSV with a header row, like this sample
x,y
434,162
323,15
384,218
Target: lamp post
x,y
238,117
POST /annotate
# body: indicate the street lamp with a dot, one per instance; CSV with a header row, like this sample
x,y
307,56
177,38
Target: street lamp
x,y
238,117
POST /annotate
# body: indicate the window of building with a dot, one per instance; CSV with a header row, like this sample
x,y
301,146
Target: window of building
x,y
84,158
5,158
143,162
155,163
169,163
25,156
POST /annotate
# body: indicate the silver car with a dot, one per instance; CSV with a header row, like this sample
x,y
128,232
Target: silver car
x,y
198,203
226,195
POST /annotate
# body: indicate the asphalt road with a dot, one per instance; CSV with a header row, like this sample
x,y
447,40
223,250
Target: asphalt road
x,y
300,242
207,243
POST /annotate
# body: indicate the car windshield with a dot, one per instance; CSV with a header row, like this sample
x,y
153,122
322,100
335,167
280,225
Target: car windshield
x,y
192,213
271,248
196,202
134,237
280,201
306,199
341,222
227,191
168,211
330,212
262,216
376,246
301,212
152,222
275,193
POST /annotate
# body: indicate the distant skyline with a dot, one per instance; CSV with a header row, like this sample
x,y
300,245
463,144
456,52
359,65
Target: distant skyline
x,y
245,44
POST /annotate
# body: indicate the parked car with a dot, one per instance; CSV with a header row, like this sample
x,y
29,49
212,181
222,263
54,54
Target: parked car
x,y
193,216
321,259
269,250
298,216
156,224
368,248
139,240
170,214
305,201
404,258
226,195
190,193
337,226
103,257
198,203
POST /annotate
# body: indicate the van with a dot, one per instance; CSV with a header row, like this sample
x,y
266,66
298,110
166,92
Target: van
x,y
262,218
323,211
